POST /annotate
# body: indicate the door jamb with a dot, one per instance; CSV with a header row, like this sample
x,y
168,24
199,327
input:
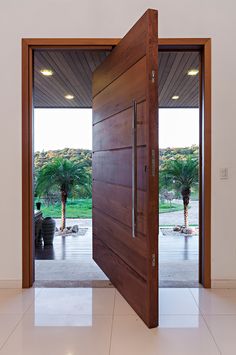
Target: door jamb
x,y
203,44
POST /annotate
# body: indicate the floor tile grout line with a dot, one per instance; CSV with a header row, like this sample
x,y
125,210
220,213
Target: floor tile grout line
x,y
66,314
112,321
31,303
197,304
26,309
211,314
13,330
212,335
22,316
25,314
204,320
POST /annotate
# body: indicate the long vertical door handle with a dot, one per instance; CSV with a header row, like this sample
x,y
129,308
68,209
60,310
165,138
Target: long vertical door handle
x,y
134,169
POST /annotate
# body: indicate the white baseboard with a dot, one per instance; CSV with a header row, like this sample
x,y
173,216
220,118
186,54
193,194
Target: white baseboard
x,y
223,283
10,284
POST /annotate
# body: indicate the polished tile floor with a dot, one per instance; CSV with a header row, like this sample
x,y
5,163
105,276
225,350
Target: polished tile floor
x,y
85,321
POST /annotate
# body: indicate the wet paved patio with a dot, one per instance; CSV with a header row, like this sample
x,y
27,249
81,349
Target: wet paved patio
x,y
70,260
178,260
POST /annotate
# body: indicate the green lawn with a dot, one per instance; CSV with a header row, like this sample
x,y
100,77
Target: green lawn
x,y
82,208
166,207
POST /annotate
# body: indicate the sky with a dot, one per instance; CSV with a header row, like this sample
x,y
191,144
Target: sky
x,y
62,128
72,128
178,127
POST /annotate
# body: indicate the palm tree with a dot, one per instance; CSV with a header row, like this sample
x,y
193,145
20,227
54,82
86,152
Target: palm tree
x,y
63,175
184,175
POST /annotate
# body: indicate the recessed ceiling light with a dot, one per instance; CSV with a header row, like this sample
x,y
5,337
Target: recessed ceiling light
x,y
46,72
193,72
69,97
175,97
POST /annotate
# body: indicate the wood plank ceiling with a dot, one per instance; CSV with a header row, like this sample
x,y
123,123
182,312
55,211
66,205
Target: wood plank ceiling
x,y
72,74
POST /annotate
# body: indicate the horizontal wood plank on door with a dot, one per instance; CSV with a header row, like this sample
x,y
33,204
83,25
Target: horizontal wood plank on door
x,y
116,201
118,238
132,46
113,100
115,166
121,275
118,130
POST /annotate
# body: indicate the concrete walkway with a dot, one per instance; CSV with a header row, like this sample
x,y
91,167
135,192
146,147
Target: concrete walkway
x,y
173,218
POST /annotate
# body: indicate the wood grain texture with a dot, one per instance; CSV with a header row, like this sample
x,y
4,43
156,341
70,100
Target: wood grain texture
x,y
31,174
119,205
114,267
27,169
132,48
112,100
26,230
206,186
202,45
65,43
116,236
153,176
118,130
180,43
115,167
117,83
201,177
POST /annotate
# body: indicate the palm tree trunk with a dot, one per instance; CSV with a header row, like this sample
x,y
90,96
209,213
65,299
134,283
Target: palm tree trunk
x,y
185,216
63,210
186,197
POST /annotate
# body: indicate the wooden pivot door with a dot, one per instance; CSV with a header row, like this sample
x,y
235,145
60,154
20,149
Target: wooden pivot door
x,y
125,167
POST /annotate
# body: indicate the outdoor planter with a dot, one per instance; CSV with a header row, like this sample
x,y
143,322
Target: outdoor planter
x,y
38,206
48,230
38,220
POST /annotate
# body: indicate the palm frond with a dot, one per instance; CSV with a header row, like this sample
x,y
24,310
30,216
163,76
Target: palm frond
x,y
61,174
182,172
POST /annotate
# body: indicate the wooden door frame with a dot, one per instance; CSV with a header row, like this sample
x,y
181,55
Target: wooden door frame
x,y
203,45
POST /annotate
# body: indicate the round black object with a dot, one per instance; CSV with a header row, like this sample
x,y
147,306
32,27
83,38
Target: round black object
x,y
48,230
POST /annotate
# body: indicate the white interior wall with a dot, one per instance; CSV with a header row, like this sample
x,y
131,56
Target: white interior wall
x,y
107,18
